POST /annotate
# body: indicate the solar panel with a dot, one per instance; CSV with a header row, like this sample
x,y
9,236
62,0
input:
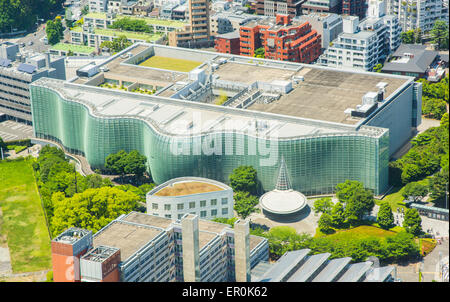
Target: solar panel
x,y
4,62
26,68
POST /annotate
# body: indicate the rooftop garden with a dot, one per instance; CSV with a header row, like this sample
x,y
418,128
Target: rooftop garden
x,y
73,47
128,34
170,63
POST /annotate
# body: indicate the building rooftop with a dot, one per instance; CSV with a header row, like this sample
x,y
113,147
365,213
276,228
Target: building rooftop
x,y
187,188
411,58
127,237
315,103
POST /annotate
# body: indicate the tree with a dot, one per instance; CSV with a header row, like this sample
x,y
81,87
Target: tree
x,y
360,203
337,215
433,108
129,24
401,247
85,10
115,163
407,37
92,209
94,181
325,223
260,53
438,185
385,218
135,164
439,34
346,189
244,178
412,222
54,30
245,204
323,205
415,190
418,36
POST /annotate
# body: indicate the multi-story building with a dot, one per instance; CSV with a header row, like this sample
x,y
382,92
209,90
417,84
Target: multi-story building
x,y
327,25
138,247
274,110
413,14
354,8
225,22
98,6
228,43
17,71
203,197
364,44
284,7
282,39
322,6
198,30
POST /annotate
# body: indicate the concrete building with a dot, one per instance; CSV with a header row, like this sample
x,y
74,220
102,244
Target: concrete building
x,y
321,6
138,247
282,39
364,44
298,266
98,6
413,14
228,43
268,113
197,33
225,22
327,25
203,197
354,8
17,71
284,7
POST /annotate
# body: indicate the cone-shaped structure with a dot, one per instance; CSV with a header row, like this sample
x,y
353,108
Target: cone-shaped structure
x,y
283,182
283,200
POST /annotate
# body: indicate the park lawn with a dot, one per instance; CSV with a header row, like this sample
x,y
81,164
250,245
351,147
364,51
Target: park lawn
x,y
170,63
395,198
427,245
360,232
23,220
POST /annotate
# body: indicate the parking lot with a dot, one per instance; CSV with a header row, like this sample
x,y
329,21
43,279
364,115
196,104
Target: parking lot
x,y
11,131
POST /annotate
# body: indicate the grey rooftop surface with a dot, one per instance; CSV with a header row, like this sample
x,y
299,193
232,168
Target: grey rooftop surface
x,y
419,63
355,272
308,268
333,268
284,266
379,274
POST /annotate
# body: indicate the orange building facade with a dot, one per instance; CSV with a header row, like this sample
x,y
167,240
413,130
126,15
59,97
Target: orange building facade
x,y
285,40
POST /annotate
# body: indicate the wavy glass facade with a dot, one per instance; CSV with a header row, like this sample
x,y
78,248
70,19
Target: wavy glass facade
x,y
316,163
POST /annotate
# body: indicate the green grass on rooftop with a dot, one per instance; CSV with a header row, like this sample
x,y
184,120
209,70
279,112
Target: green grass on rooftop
x,y
170,63
94,15
73,47
155,21
128,34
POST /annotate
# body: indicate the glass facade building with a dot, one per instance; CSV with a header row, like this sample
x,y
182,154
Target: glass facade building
x,y
316,163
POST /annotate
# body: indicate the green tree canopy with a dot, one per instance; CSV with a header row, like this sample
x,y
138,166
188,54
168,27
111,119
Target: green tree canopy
x,y
117,44
416,190
244,178
325,223
245,204
412,222
385,218
337,215
129,24
439,34
93,209
260,53
323,205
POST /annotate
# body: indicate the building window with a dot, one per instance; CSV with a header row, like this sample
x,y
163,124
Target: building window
x,y
213,202
224,211
168,216
180,206
224,200
213,213
180,215
154,206
202,213
167,207
192,205
202,203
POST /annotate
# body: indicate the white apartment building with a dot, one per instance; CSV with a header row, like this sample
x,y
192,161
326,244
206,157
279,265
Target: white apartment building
x,y
364,44
98,6
421,14
206,198
328,25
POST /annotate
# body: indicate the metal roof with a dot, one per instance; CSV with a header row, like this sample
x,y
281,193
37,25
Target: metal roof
x,y
311,265
420,61
333,268
26,68
355,272
284,266
259,270
428,208
4,62
379,274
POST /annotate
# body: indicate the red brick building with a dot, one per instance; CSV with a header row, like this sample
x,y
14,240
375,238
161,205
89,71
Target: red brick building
x,y
282,40
228,43
354,8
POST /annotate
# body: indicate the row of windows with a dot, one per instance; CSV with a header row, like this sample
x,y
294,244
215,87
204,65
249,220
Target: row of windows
x,y
202,213
191,204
